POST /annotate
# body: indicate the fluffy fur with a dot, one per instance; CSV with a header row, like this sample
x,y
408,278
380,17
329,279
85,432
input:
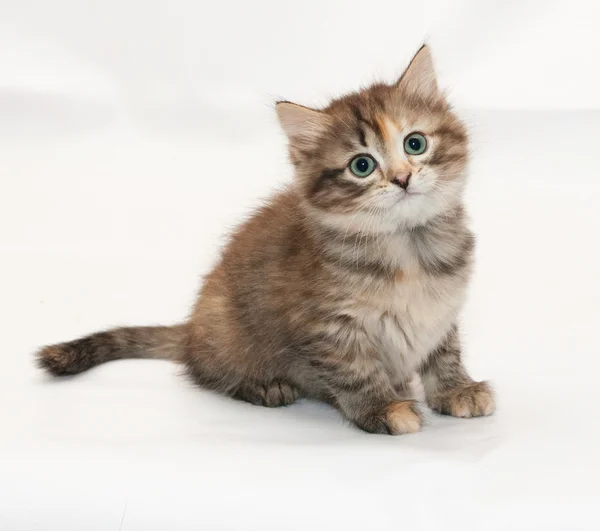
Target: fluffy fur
x,y
341,288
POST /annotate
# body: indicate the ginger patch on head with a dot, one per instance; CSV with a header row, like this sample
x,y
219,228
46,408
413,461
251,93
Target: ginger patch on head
x,y
386,128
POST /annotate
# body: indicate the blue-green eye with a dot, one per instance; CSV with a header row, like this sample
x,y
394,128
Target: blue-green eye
x,y
363,165
415,144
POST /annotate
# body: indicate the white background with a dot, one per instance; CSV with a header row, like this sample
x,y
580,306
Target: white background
x,y
134,134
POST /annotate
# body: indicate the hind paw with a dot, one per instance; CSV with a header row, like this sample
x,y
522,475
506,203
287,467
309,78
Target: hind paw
x,y
274,394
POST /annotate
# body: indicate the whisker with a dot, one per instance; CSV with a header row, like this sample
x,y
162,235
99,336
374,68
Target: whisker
x,y
362,207
425,104
441,198
380,212
369,232
358,236
346,124
358,240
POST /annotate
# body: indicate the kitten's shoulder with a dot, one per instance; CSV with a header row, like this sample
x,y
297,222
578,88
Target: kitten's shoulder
x,y
276,221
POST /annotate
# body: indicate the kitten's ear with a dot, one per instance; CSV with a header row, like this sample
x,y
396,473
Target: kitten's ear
x,y
301,123
419,76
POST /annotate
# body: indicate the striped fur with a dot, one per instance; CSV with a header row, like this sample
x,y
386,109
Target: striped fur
x,y
340,288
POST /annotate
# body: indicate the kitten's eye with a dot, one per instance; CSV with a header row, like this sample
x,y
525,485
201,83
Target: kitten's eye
x,y
415,144
363,166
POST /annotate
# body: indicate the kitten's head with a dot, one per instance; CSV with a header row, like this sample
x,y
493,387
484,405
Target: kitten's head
x,y
393,151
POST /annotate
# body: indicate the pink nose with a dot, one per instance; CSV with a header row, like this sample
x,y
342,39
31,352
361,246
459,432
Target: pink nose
x,y
402,179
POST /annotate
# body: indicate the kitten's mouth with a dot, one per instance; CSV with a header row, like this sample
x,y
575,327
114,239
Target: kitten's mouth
x,y
408,193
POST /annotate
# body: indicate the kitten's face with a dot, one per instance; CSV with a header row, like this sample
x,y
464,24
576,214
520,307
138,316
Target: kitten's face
x,y
394,154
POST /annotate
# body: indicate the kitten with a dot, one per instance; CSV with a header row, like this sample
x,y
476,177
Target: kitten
x,y
345,285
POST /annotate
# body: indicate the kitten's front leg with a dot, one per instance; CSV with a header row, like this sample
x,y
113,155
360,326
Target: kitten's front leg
x,y
448,388
364,394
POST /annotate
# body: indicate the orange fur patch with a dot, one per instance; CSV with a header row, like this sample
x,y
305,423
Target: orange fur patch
x,y
382,123
402,418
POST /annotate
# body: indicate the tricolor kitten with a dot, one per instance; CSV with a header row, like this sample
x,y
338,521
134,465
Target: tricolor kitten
x,y
345,285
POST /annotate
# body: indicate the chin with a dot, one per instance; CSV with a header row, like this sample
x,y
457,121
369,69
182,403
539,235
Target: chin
x,y
414,210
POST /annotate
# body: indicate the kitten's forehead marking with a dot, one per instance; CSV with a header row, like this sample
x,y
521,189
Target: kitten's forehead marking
x,y
400,145
393,138
386,127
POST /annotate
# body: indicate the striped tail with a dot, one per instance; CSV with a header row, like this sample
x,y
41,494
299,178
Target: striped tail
x,y
73,357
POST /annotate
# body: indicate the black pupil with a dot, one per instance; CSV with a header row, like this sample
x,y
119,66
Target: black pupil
x,y
414,143
362,165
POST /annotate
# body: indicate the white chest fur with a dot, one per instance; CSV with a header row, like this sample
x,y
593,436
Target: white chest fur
x,y
422,311
406,319
410,318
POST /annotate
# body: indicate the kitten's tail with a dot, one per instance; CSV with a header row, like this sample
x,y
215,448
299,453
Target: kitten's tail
x,y
157,342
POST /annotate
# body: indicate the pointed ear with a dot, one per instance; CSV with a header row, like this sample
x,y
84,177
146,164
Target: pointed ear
x,y
419,76
301,123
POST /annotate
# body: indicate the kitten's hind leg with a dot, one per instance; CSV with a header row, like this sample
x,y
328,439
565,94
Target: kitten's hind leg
x,y
219,370
273,394
448,387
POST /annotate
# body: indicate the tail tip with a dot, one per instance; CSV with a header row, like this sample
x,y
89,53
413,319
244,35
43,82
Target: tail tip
x,y
58,360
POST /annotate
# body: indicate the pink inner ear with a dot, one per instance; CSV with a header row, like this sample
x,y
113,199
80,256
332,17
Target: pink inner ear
x,y
301,123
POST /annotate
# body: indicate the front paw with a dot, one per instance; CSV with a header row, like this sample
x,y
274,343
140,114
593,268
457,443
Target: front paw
x,y
396,419
472,400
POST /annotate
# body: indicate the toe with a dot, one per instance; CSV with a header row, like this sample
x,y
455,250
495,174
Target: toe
x,y
280,394
288,393
473,400
274,396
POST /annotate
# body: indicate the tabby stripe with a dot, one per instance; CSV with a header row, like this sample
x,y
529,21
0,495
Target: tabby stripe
x,y
326,176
